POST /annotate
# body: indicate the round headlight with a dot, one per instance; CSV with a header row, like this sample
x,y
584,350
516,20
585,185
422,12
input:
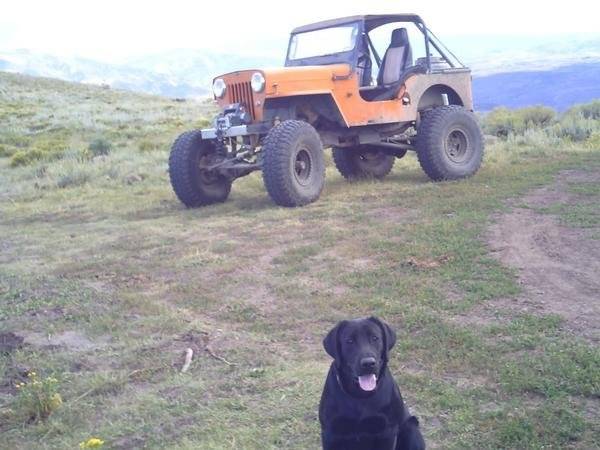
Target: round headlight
x,y
219,88
257,82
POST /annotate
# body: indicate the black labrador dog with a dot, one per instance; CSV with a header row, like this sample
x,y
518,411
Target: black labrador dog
x,y
361,407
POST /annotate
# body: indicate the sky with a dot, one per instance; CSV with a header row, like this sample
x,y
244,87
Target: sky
x,y
113,30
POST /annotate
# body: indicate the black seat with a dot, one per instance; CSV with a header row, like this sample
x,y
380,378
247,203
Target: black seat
x,y
396,67
397,58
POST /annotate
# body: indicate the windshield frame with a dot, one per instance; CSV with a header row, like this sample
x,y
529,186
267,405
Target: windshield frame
x,y
343,57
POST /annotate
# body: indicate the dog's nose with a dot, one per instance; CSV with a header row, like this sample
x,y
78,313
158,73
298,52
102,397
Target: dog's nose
x,y
368,363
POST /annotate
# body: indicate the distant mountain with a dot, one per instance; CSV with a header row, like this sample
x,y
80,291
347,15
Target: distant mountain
x,y
518,71
489,54
559,87
178,73
199,67
89,71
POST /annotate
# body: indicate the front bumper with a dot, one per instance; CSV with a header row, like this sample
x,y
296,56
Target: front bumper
x,y
212,133
234,131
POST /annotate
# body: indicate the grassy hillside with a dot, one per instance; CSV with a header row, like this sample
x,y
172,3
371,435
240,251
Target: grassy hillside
x,y
106,280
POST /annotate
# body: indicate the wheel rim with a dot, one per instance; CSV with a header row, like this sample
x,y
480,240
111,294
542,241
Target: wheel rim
x,y
302,166
457,146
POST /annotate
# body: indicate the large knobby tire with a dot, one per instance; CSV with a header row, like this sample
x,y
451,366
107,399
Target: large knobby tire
x,y
293,163
192,185
449,143
364,161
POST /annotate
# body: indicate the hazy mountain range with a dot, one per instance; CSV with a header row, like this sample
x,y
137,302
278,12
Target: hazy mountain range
x,y
560,87
178,73
514,71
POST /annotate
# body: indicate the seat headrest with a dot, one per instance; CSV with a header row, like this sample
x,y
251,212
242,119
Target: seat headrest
x,y
399,38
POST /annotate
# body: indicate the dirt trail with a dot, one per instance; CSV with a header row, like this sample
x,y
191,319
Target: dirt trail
x,y
558,266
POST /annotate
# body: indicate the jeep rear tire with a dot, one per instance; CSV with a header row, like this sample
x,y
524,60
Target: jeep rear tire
x,y
449,143
293,163
364,161
193,185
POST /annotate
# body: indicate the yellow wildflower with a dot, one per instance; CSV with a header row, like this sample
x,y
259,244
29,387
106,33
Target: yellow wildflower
x,y
92,443
55,400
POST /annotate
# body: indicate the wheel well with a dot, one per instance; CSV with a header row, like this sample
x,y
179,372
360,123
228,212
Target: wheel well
x,y
320,110
433,96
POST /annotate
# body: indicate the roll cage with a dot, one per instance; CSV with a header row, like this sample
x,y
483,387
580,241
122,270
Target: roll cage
x,y
364,45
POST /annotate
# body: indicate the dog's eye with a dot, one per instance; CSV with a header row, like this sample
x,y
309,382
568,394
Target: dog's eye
x,y
374,338
349,341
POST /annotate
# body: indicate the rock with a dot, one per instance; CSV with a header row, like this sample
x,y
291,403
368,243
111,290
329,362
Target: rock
x,y
133,178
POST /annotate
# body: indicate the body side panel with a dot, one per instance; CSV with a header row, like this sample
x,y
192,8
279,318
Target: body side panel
x,y
342,84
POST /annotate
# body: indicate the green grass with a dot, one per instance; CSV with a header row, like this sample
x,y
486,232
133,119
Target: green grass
x,y
115,258
580,209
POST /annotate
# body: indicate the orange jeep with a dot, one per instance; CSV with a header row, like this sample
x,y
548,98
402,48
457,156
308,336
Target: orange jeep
x,y
350,84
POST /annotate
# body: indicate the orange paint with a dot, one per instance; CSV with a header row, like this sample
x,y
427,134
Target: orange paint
x,y
342,84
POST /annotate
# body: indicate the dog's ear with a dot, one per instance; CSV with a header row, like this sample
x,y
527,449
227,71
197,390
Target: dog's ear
x,y
331,341
389,335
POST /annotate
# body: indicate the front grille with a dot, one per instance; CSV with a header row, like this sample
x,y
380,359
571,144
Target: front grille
x,y
242,93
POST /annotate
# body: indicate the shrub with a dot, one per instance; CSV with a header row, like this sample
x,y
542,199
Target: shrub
x,y
537,116
594,141
7,151
43,149
574,127
533,140
501,121
11,143
16,140
19,159
37,398
587,111
26,157
99,147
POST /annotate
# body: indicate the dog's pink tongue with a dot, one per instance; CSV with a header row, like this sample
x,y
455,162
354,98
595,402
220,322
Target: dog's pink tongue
x,y
367,382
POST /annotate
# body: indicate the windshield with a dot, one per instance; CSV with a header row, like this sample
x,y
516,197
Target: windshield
x,y
323,42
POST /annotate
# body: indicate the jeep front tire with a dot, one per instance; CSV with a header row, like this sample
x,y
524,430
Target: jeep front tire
x,y
293,163
449,143
364,161
193,185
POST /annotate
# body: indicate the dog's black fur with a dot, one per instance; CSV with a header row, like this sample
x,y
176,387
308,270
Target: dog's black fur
x,y
352,418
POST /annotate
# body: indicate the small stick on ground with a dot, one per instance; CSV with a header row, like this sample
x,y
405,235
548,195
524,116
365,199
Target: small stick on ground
x,y
189,353
220,358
